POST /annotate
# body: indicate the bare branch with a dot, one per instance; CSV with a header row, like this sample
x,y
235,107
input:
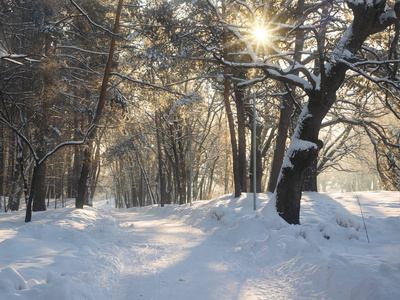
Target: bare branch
x,y
89,19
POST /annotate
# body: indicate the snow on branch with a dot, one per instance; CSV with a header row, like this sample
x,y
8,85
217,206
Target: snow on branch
x,y
185,100
81,50
61,145
147,84
11,57
295,73
252,81
19,134
37,159
189,79
89,19
287,75
377,80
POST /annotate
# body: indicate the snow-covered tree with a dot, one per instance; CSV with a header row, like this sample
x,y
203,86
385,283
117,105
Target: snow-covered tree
x,y
320,72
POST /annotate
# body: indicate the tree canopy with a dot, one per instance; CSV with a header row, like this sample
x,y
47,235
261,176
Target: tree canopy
x,y
177,121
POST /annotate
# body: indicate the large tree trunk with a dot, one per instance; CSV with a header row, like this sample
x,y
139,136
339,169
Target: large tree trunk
x,y
302,151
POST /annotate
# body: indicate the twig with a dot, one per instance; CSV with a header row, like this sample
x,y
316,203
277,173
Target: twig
x,y
89,19
362,215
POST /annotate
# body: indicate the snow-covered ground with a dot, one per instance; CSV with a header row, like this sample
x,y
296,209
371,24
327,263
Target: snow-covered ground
x,y
218,249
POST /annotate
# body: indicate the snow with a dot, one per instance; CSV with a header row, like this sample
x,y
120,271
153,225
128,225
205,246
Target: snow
x,y
296,143
3,52
295,79
217,249
186,100
361,2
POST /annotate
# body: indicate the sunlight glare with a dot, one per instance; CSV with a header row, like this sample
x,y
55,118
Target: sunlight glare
x,y
260,34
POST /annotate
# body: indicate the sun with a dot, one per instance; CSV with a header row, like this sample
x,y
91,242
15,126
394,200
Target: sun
x,y
260,34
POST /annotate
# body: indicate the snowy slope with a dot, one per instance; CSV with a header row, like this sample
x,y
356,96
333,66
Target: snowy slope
x,y
219,249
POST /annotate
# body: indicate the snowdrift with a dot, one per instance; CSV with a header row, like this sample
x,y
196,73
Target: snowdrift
x,y
79,254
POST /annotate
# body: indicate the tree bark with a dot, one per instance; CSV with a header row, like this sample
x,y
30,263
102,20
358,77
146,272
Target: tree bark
x,y
2,164
241,118
182,166
301,153
235,160
83,183
280,143
161,178
39,194
310,180
76,166
28,214
95,171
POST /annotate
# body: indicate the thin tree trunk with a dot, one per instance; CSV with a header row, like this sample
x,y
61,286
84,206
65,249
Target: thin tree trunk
x,y
20,158
177,169
39,191
280,144
83,183
28,215
235,164
76,166
182,167
95,173
146,178
15,182
259,169
241,118
162,189
2,163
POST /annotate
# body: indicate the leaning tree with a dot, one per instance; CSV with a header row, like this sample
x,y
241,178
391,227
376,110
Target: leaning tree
x,y
319,73
370,17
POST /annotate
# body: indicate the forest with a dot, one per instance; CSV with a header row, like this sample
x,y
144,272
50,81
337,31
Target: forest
x,y
161,102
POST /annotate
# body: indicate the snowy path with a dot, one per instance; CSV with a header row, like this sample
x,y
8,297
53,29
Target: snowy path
x,y
166,259
217,249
